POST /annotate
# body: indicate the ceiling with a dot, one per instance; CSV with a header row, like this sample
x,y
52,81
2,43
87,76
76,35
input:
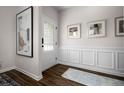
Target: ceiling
x,y
59,8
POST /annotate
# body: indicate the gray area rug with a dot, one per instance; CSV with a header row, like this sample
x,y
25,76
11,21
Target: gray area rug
x,y
5,80
91,79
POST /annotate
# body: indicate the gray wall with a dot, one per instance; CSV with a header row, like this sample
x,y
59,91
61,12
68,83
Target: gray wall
x,y
31,66
84,15
50,12
123,15
7,36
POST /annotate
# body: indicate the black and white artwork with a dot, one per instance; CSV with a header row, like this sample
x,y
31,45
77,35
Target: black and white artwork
x,y
119,26
24,33
73,31
96,29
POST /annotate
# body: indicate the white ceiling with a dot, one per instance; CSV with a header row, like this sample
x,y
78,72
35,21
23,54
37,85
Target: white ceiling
x,y
59,8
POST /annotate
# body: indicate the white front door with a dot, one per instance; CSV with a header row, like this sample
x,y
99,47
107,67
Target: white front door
x,y
49,43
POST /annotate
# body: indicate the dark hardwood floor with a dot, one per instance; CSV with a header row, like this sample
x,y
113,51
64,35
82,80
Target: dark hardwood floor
x,y
51,77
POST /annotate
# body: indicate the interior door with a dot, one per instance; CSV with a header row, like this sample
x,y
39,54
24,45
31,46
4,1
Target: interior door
x,y
49,43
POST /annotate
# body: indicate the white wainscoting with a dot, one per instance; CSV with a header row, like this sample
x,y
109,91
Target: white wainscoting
x,y
120,61
107,60
87,61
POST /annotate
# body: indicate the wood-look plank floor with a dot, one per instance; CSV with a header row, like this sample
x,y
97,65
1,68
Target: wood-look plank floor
x,y
51,77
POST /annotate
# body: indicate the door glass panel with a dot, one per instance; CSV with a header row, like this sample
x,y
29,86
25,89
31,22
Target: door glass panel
x,y
48,36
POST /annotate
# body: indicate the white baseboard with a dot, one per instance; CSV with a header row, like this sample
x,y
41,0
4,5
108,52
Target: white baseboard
x,y
7,69
37,78
23,71
93,68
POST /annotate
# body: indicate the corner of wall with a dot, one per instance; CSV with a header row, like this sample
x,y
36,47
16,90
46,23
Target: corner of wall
x,y
37,78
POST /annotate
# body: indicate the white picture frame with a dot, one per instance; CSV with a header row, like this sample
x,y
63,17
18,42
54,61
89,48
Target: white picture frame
x,y
73,31
97,29
119,26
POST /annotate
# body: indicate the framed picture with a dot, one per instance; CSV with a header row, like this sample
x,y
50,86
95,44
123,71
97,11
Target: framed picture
x,y
73,31
119,26
96,29
24,32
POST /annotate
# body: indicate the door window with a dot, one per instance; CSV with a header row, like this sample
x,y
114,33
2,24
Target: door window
x,y
48,36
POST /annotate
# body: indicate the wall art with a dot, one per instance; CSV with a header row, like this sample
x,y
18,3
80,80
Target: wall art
x,y
119,26
96,29
24,32
73,31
